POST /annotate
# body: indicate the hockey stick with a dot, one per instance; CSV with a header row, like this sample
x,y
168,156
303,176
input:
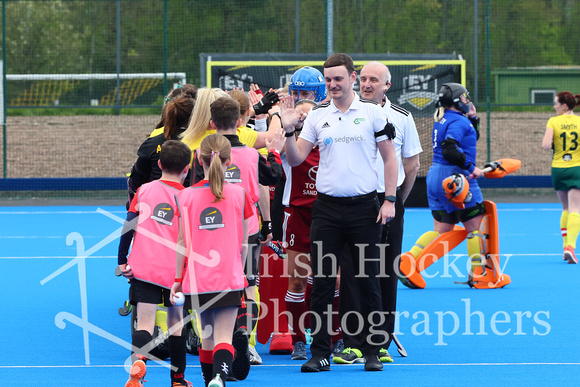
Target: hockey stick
x,y
400,347
500,168
126,308
275,248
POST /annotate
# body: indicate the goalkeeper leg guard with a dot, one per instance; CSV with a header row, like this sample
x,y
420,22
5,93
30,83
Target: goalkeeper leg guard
x,y
408,273
411,266
491,276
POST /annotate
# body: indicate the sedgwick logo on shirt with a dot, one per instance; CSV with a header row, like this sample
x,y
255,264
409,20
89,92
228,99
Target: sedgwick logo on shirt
x,y
345,139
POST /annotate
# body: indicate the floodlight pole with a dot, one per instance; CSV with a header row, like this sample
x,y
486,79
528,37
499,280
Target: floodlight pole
x,y
297,27
165,88
3,107
475,54
488,79
118,92
329,27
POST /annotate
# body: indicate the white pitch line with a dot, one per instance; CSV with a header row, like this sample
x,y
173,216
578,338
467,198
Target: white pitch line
x,y
60,257
498,210
83,366
299,365
114,256
35,237
55,212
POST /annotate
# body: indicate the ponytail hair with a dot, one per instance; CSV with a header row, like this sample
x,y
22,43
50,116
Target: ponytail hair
x,y
215,150
188,89
439,113
177,113
568,99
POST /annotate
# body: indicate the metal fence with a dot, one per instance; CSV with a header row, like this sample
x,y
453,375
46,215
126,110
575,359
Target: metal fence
x,y
84,80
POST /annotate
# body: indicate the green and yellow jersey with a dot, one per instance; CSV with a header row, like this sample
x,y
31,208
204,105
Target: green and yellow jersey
x,y
566,139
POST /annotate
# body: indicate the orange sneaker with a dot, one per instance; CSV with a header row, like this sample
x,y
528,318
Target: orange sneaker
x,y
569,254
182,383
136,374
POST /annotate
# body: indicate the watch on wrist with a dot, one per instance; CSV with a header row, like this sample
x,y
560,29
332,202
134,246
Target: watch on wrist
x,y
276,114
391,198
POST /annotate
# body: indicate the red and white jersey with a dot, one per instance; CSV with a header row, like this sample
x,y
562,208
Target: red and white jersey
x,y
244,171
152,256
300,188
213,234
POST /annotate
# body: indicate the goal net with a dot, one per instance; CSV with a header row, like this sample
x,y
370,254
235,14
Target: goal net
x,y
82,90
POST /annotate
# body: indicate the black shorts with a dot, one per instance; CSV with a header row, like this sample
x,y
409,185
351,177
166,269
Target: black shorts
x,y
217,300
455,217
148,293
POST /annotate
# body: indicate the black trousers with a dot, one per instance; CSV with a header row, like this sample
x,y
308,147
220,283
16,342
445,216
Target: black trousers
x,y
392,236
391,246
336,223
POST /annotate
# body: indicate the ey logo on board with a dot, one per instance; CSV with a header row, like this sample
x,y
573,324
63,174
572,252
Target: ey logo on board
x,y
233,174
211,219
163,214
419,91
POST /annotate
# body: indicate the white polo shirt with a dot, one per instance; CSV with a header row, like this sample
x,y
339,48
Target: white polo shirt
x,y
407,142
348,146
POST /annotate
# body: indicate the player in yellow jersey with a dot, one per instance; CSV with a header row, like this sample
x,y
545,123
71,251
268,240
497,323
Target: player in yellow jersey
x,y
563,137
199,126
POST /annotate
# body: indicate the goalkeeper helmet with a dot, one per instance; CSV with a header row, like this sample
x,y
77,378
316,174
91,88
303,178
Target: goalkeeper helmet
x,y
310,80
450,95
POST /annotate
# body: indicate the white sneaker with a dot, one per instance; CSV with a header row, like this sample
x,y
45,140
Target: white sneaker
x,y
255,358
216,381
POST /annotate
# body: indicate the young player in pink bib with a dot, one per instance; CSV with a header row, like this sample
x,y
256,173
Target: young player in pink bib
x,y
213,237
152,227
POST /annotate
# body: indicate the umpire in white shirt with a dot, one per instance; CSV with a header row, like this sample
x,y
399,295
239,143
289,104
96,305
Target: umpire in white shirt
x,y
375,80
348,131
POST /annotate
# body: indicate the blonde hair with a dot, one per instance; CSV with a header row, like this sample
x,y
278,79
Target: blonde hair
x,y
200,117
215,150
439,113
